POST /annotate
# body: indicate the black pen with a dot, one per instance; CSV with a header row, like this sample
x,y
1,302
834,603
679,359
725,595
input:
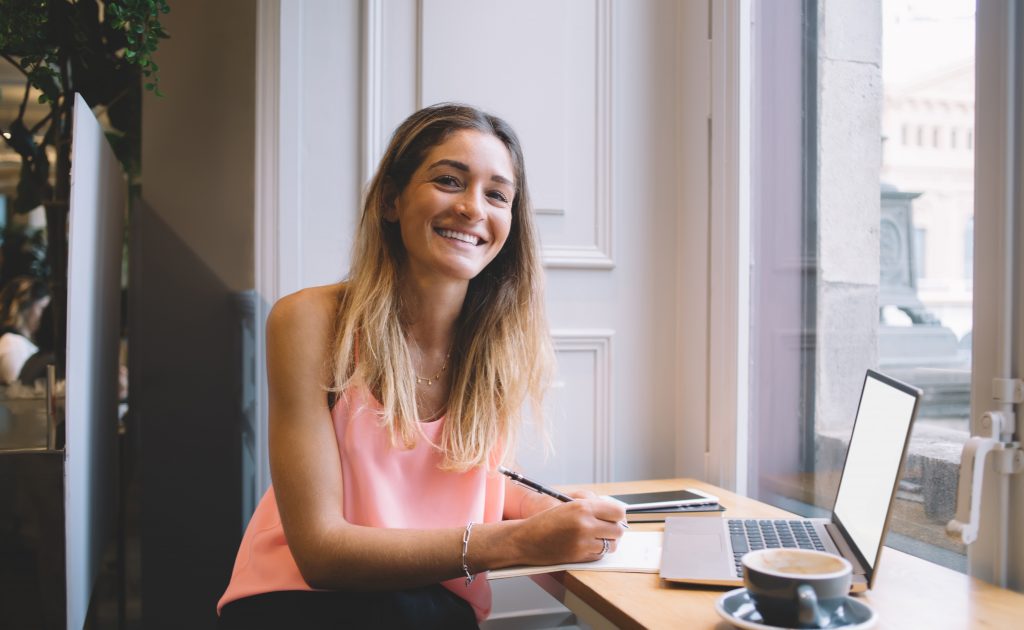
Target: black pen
x,y
536,487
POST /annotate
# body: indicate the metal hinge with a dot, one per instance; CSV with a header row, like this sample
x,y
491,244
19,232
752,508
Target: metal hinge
x,y
995,436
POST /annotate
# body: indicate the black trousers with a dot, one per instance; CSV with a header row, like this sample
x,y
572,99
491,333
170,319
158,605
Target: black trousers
x,y
428,607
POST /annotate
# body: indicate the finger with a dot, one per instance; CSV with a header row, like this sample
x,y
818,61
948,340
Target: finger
x,y
606,529
609,510
582,494
612,545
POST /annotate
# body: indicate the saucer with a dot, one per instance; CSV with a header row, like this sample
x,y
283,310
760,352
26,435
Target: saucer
x,y
737,608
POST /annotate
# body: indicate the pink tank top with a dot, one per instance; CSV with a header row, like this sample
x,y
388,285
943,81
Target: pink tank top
x,y
383,486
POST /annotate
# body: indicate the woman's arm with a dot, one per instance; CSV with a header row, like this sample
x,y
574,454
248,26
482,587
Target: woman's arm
x,y
334,554
521,502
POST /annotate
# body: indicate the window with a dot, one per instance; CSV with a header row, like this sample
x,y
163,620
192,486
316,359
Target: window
x,y
969,252
841,278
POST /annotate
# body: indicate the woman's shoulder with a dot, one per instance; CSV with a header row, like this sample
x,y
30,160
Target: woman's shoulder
x,y
311,309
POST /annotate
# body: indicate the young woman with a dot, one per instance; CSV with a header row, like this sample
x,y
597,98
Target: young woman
x,y
22,303
395,395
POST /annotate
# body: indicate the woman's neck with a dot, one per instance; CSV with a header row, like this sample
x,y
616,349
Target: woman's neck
x,y
430,312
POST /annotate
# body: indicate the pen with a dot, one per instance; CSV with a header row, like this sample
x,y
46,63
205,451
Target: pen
x,y
536,487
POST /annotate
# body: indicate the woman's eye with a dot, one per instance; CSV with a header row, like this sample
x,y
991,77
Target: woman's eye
x,y
447,180
500,196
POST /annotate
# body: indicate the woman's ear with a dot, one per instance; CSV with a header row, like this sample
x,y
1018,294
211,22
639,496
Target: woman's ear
x,y
391,211
390,203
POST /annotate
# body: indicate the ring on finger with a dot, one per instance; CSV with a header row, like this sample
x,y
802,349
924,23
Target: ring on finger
x,y
605,546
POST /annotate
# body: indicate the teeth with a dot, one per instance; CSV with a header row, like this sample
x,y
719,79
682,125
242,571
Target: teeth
x,y
459,236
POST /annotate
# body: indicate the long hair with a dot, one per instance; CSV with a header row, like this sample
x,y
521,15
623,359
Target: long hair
x,y
16,298
501,354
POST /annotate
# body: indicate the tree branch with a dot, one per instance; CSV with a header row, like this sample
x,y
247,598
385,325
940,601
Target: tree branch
x,y
24,100
42,122
14,63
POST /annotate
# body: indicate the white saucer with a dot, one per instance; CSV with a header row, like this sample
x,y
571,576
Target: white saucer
x,y
737,608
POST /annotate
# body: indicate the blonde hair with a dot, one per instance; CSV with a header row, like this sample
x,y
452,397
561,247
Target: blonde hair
x,y
501,354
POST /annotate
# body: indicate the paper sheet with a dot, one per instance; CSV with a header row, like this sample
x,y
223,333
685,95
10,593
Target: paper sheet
x,y
638,552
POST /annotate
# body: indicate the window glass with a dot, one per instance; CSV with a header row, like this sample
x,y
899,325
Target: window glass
x,y
862,224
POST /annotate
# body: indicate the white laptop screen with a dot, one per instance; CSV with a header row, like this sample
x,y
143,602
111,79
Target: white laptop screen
x,y
873,463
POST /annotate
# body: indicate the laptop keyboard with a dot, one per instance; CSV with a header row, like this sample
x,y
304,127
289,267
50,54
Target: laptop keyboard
x,y
751,535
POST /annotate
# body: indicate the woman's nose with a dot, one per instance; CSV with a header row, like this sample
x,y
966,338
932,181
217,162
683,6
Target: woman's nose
x,y
469,207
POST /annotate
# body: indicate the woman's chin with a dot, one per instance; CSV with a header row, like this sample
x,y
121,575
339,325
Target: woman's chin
x,y
457,269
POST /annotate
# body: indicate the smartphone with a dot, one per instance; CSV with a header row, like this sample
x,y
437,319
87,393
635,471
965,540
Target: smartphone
x,y
671,498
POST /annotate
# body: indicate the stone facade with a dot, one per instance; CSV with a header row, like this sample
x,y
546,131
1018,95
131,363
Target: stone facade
x,y
848,162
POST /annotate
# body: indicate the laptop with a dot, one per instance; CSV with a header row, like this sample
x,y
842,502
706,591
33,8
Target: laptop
x,y
708,551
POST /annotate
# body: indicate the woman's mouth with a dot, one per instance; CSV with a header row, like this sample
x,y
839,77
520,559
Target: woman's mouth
x,y
459,236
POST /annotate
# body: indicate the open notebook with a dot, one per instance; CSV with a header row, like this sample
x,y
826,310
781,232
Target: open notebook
x,y
638,552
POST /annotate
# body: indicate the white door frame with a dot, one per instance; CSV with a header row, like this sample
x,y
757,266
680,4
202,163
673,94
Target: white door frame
x,y
714,308
267,207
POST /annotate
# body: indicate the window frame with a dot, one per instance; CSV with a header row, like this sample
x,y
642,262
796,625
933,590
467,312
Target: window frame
x,y
994,558
998,141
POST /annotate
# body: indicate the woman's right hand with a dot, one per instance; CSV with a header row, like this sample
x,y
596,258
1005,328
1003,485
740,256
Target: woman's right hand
x,y
570,532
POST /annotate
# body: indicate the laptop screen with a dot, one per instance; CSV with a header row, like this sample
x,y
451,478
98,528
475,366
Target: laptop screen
x,y
873,462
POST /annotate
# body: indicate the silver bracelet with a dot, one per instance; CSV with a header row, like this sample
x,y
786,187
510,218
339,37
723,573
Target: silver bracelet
x,y
465,548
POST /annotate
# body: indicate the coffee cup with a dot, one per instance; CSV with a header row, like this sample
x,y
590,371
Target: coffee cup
x,y
796,588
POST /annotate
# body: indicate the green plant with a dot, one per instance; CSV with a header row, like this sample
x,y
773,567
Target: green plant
x,y
101,50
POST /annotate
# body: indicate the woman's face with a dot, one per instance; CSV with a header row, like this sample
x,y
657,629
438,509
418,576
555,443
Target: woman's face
x,y
456,211
34,314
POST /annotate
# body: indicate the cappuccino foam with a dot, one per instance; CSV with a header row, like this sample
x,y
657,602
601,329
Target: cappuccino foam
x,y
795,562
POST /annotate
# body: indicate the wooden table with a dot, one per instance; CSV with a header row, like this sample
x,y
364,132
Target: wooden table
x,y
909,592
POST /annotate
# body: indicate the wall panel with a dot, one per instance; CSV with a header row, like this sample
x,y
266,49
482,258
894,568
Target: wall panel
x,y
555,92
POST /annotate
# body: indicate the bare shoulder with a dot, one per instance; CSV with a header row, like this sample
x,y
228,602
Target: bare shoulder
x,y
314,306
309,313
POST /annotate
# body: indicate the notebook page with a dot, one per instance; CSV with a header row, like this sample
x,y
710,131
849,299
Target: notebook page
x,y
638,552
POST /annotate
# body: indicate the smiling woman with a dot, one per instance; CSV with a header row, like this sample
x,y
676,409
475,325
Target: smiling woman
x,y
386,500
455,212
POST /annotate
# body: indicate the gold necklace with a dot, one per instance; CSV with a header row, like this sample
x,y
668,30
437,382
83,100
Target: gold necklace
x,y
430,380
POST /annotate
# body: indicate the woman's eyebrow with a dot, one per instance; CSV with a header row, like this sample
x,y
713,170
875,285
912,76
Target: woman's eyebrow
x,y
465,169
